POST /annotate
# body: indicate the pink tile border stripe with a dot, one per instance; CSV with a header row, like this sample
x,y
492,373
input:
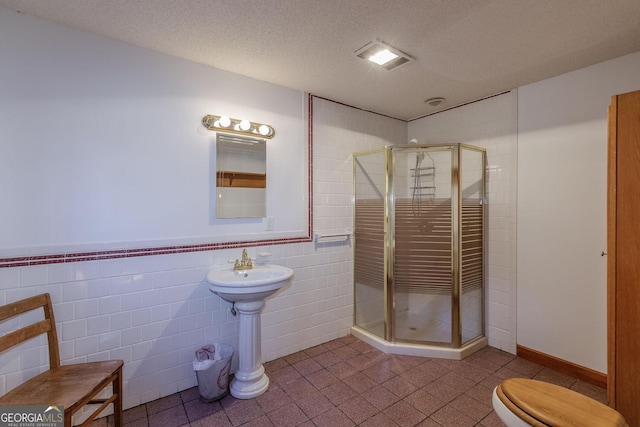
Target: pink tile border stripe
x,y
28,260
136,252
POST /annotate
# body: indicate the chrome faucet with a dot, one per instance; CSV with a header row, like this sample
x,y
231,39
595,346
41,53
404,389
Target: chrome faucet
x,y
245,263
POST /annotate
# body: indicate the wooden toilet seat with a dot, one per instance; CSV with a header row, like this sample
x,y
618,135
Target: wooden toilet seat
x,y
543,404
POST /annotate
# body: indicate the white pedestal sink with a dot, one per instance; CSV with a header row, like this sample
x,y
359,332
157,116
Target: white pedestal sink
x,y
248,290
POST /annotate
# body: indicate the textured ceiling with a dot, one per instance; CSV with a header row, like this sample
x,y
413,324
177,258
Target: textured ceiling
x,y
464,49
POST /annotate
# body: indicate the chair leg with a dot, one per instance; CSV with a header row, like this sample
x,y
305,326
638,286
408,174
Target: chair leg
x,y
117,404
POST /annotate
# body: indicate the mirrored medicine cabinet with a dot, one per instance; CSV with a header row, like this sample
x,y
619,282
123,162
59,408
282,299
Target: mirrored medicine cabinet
x,y
241,177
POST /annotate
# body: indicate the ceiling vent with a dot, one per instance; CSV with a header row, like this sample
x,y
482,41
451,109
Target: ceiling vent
x,y
388,57
434,102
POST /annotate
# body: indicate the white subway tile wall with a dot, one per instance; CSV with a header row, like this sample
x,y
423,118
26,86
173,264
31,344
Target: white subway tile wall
x,y
155,311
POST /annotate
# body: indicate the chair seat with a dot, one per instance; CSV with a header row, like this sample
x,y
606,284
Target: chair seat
x,y
69,385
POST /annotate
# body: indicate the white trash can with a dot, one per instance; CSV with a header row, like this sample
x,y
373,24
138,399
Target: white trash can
x,y
212,365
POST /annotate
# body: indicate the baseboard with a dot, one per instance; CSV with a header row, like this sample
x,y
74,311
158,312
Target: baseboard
x,y
562,366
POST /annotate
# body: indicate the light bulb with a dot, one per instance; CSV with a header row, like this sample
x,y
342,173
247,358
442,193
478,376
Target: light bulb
x,y
245,125
264,130
224,121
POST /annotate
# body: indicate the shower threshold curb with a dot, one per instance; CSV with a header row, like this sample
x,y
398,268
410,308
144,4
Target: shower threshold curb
x,y
422,350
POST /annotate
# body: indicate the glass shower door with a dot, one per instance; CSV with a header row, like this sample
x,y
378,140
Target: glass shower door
x,y
472,188
369,261
422,264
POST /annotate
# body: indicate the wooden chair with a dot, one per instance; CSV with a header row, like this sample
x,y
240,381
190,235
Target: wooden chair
x,y
70,386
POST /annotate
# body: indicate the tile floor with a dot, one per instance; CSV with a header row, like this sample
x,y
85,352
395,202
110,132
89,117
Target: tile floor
x,y
346,382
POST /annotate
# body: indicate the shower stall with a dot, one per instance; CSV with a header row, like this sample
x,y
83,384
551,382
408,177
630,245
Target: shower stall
x,y
419,249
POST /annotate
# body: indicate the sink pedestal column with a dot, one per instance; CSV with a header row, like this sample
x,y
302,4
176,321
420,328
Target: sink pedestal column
x,y
250,380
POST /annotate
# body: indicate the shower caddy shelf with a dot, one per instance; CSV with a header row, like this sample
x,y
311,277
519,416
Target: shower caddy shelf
x,y
425,174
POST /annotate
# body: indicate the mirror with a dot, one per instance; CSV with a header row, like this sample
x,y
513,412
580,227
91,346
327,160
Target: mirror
x,y
241,177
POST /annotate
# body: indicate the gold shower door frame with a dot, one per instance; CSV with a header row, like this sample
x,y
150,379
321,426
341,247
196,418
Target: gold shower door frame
x,y
389,318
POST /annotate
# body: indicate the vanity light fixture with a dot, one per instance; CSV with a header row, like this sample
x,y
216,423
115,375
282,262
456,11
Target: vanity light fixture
x,y
388,57
241,126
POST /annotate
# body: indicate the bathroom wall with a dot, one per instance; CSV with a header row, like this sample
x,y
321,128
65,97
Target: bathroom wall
x,y
154,311
562,178
102,142
489,124
319,305
560,183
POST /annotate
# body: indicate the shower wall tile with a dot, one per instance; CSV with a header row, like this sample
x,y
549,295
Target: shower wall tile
x,y
322,293
339,131
491,124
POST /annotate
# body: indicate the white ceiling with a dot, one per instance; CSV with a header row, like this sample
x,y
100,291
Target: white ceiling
x,y
464,50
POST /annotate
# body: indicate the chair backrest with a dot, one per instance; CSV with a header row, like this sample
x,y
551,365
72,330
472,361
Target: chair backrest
x,y
48,325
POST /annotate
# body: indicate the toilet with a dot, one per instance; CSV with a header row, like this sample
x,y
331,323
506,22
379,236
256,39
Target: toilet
x,y
521,402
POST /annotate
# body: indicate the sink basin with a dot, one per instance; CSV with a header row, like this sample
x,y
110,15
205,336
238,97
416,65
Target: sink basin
x,y
248,285
247,290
